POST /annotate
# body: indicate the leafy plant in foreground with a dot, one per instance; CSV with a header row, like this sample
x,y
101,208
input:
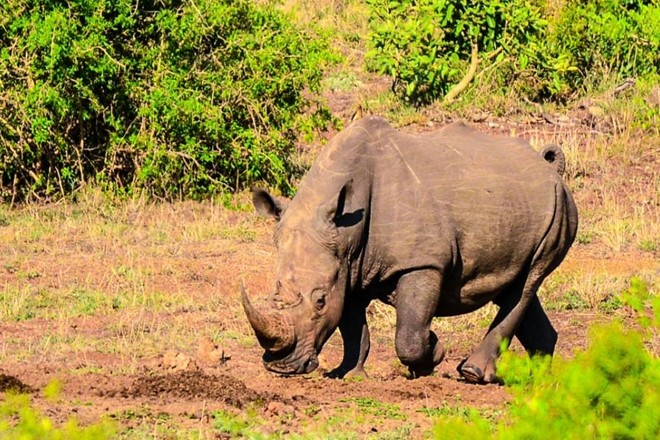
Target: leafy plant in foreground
x,y
608,391
20,420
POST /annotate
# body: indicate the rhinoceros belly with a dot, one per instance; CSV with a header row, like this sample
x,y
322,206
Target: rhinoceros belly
x,y
457,298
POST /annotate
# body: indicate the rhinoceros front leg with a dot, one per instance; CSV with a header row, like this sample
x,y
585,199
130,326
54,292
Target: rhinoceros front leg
x,y
355,335
417,347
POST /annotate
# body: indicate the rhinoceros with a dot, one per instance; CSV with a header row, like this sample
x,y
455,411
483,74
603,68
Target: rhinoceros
x,y
434,224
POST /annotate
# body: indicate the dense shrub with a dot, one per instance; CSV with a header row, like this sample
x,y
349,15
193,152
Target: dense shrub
x,y
425,45
179,98
609,391
595,38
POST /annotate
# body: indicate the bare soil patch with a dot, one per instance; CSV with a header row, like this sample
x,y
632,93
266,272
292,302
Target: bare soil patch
x,y
193,385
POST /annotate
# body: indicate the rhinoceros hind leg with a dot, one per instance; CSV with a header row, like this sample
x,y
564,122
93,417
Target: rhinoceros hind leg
x,y
474,374
480,366
517,301
536,333
416,345
355,334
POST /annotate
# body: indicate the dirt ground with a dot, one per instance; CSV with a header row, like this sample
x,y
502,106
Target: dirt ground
x,y
168,369
182,388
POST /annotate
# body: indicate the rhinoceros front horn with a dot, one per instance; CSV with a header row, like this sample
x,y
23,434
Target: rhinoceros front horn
x,y
273,331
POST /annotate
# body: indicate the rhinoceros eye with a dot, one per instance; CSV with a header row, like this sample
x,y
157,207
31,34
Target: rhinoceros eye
x,y
318,299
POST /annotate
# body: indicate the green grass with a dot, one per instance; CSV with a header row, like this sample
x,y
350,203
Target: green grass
x,y
339,425
463,412
373,407
28,302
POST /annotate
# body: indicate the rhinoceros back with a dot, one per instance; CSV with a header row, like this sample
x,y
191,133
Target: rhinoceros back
x,y
486,202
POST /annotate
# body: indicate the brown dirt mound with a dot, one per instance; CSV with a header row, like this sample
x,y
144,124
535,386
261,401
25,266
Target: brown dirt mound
x,y
10,383
194,385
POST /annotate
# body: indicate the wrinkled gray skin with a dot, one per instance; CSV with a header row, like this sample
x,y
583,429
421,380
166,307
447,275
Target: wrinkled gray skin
x,y
435,224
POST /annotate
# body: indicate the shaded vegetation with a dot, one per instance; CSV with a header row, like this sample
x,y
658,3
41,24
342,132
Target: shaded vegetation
x,y
175,98
425,46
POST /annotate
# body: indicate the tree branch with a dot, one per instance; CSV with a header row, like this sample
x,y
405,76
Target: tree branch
x,y
462,85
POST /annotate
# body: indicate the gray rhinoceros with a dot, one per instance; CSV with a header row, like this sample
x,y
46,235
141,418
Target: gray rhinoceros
x,y
435,224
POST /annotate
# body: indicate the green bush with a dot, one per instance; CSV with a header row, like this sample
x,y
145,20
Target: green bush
x,y
425,45
597,39
608,391
178,98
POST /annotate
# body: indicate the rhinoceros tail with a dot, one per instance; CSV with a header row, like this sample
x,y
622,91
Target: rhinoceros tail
x,y
555,157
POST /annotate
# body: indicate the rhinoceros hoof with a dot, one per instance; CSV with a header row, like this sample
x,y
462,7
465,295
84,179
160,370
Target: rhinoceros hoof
x,y
474,374
471,373
356,373
342,373
420,372
337,373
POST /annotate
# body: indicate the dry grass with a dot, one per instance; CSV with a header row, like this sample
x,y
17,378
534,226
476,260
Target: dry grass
x,y
594,288
346,19
157,273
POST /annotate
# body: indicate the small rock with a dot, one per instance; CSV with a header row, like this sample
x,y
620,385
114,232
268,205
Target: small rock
x,y
176,361
279,409
211,354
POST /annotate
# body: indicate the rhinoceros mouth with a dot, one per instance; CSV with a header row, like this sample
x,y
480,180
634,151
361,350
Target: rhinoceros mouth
x,y
288,366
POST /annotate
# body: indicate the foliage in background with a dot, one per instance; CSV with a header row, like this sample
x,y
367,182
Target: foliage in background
x,y
179,98
608,391
599,37
547,54
425,45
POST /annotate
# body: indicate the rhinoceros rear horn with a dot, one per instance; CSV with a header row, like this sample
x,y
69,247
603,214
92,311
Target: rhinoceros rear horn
x,y
273,331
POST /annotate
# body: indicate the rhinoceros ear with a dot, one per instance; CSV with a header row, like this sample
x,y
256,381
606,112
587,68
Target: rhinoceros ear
x,y
267,205
334,210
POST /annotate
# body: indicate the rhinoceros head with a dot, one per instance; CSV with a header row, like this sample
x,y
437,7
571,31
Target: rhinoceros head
x,y
306,305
